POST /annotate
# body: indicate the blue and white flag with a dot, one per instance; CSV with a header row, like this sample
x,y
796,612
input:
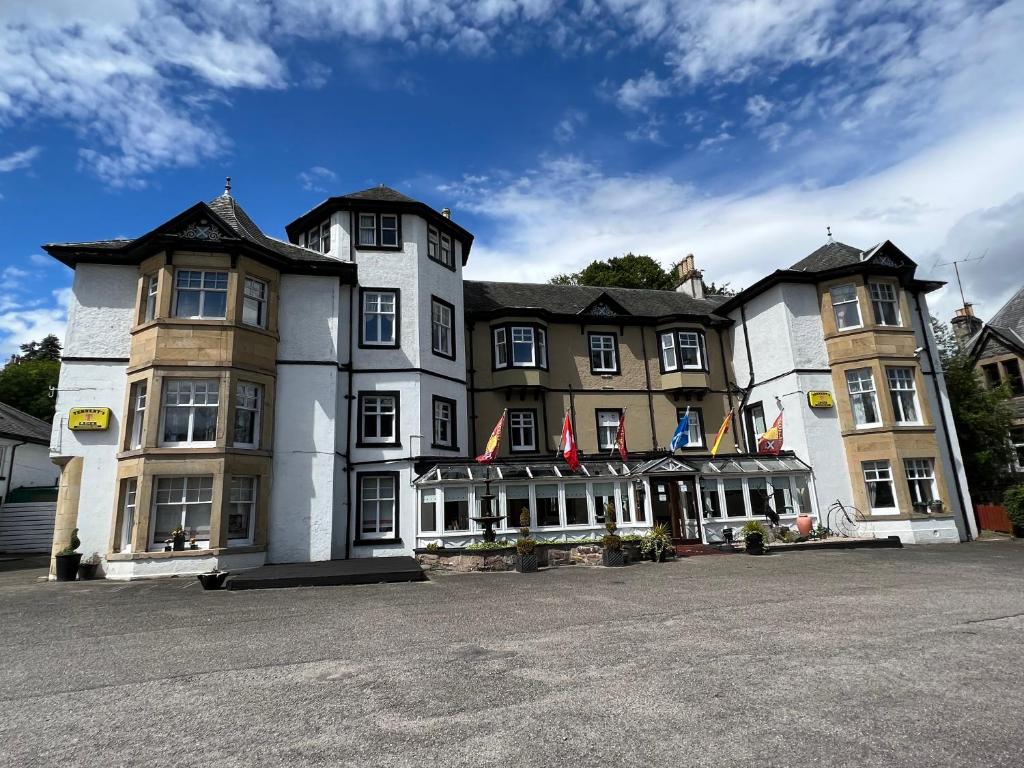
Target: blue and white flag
x,y
682,433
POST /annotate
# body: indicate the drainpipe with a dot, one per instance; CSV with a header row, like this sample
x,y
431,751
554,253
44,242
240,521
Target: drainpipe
x,y
348,432
725,373
750,367
471,366
650,392
942,416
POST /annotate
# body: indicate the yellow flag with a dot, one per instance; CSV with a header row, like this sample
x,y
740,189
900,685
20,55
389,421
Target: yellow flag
x,y
721,433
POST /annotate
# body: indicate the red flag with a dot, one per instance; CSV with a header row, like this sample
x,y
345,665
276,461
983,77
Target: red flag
x,y
620,438
493,442
771,440
568,443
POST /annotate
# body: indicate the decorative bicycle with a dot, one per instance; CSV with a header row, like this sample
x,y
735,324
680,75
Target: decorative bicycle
x,y
843,520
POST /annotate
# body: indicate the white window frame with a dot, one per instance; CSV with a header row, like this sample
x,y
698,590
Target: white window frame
x,y
380,495
903,385
696,430
500,348
919,471
192,405
248,399
439,330
313,239
440,407
522,421
671,345
523,330
604,347
667,344
234,491
1017,431
874,472
855,301
697,346
138,396
377,297
607,427
152,297
384,230
882,293
379,406
254,296
193,485
129,509
362,227
202,289
862,392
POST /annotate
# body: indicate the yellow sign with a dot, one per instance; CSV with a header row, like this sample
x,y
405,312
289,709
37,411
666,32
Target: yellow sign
x,y
820,400
89,418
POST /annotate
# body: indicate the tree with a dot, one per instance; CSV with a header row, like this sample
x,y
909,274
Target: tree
x,y
26,385
47,349
983,416
725,289
626,271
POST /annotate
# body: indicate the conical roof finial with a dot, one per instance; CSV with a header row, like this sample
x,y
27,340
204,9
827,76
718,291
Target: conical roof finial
x,y
227,186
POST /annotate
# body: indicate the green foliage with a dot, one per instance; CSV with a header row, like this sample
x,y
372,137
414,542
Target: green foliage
x,y
626,271
754,526
657,541
73,544
47,349
1013,499
433,547
983,416
713,289
611,542
500,544
526,546
25,384
524,519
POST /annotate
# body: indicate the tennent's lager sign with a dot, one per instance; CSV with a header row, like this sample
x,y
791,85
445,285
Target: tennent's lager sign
x,y
88,418
820,399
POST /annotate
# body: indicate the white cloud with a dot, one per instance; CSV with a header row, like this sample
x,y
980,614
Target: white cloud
x,y
572,120
973,178
759,108
317,178
21,323
639,93
21,159
714,142
41,260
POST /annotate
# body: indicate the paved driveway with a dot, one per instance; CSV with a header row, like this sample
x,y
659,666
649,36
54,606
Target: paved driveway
x,y
865,658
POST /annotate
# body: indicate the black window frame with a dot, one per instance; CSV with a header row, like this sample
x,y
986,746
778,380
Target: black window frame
x,y
509,365
536,431
748,423
395,538
363,344
702,348
436,257
453,425
699,411
453,334
597,427
377,230
614,371
361,436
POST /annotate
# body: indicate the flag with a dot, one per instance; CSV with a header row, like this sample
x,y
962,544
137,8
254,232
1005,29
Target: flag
x,y
721,433
568,443
620,438
771,440
493,442
682,434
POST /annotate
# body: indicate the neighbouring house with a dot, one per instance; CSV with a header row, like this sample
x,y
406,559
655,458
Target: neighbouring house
x,y
28,480
324,397
997,347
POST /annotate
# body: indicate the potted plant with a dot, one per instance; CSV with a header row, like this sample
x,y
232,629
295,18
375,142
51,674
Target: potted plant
x,y
754,534
213,580
178,539
526,548
920,507
67,559
192,543
657,544
612,556
88,567
1013,499
935,506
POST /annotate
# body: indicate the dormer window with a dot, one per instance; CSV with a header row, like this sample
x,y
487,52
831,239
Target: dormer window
x,y
319,238
382,230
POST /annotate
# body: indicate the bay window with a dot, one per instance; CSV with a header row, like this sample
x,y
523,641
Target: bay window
x,y
845,306
200,294
379,230
367,229
878,481
254,303
389,230
378,505
682,350
863,399
241,509
523,350
248,402
129,501
380,318
151,297
520,346
182,502
190,412
904,395
136,413
884,303
378,418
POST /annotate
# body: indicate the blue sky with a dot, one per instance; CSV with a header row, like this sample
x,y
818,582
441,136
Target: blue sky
x,y
558,132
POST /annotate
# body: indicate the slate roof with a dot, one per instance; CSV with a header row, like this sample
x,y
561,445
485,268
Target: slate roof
x,y
235,216
380,193
1008,323
18,424
483,297
829,256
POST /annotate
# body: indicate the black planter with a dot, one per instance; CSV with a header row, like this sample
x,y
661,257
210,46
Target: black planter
x,y
87,571
179,546
755,544
1018,530
213,580
526,563
613,558
67,566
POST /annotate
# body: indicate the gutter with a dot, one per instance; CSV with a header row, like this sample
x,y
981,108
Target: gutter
x,y
942,416
750,367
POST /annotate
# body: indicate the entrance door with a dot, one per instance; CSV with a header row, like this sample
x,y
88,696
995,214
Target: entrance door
x,y
675,506
689,522
663,502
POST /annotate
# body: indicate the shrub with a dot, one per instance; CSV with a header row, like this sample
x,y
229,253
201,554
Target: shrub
x,y
1014,501
524,520
434,547
754,526
501,544
611,542
657,541
73,544
526,546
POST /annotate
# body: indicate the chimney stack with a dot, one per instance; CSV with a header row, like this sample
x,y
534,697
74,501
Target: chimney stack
x,y
446,212
966,324
690,280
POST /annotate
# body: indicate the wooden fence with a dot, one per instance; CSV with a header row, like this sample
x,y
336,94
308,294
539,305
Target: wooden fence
x,y
992,517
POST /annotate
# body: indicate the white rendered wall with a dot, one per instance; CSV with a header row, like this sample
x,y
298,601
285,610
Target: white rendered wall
x,y
91,384
102,311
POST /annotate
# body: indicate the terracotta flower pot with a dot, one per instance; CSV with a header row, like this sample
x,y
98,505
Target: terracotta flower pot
x,y
804,524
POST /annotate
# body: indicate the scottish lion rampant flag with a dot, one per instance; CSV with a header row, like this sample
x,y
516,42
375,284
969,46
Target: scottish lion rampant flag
x,y
682,434
493,442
